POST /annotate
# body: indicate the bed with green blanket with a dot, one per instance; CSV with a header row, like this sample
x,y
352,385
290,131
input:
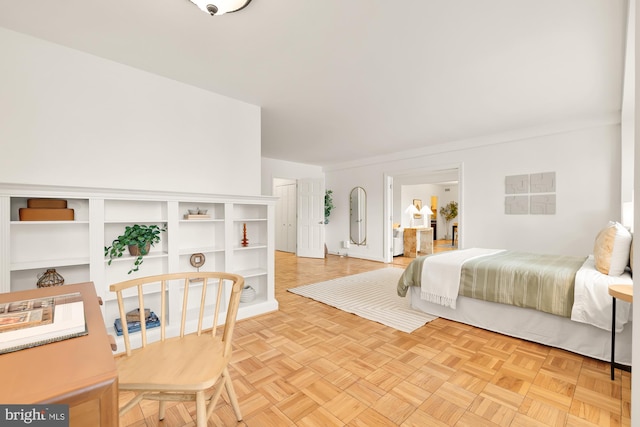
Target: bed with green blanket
x,y
539,281
560,301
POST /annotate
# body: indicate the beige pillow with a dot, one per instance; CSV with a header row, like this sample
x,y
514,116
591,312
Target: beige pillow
x,y
611,249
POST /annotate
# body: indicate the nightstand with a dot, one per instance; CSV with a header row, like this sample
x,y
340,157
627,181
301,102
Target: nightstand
x,y
624,293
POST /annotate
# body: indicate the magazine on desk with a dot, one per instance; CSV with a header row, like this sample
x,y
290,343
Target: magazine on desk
x,y
38,321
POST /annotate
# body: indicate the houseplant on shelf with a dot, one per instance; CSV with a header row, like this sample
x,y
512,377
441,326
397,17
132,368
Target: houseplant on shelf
x,y
449,212
138,239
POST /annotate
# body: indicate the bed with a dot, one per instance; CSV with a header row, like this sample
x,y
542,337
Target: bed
x,y
559,301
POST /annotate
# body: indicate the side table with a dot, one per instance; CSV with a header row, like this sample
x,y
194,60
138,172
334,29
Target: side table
x,y
624,293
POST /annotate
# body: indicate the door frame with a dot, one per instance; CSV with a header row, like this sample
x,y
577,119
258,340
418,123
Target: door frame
x,y
389,189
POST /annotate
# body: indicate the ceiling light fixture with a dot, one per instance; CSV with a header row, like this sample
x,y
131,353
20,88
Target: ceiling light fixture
x,y
220,7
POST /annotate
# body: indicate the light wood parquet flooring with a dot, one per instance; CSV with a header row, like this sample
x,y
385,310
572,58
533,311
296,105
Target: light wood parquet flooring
x,y
309,364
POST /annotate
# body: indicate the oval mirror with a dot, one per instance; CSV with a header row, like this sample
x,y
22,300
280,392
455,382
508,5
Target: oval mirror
x,y
358,216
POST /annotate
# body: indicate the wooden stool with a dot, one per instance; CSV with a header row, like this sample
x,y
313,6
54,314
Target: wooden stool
x,y
625,293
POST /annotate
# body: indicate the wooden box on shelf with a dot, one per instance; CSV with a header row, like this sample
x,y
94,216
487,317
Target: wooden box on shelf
x,y
46,214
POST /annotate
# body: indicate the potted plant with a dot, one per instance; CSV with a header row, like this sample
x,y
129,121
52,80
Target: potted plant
x,y
138,239
328,205
449,212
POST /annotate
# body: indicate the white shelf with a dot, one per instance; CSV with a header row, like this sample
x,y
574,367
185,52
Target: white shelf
x,y
46,263
131,258
253,272
28,223
136,221
250,247
204,250
76,248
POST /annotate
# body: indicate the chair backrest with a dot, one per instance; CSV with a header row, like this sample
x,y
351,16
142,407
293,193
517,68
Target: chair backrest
x,y
131,295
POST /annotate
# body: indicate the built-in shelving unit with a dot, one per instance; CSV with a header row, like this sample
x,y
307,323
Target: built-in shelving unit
x,y
76,248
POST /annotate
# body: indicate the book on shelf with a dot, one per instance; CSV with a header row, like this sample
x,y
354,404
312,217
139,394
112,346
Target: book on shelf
x,y
151,321
38,321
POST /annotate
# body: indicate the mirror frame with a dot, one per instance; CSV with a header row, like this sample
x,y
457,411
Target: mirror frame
x,y
358,219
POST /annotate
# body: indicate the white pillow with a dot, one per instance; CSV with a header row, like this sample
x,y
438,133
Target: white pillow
x,y
611,249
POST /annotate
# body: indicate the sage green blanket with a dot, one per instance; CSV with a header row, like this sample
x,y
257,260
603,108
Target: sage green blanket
x,y
538,281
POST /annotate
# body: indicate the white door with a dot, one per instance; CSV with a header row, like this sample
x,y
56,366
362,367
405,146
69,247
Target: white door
x,y
310,218
281,225
291,218
286,217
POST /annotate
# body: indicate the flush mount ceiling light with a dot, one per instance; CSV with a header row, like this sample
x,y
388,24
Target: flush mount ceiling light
x,y
220,7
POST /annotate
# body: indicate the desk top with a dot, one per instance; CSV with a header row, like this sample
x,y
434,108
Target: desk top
x,y
56,372
623,292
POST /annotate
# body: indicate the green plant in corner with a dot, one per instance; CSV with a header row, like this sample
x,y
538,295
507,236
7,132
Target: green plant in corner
x,y
449,212
328,205
137,239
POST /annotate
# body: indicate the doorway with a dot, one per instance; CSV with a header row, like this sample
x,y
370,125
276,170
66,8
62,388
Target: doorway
x,y
286,226
299,216
427,187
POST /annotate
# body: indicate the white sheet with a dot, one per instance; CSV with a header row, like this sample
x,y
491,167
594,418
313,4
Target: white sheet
x,y
440,279
592,303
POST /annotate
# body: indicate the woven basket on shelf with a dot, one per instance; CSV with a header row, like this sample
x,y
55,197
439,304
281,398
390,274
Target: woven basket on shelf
x,y
248,294
50,278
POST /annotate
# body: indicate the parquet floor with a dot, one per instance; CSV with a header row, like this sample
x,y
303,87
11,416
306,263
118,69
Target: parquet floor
x,y
309,364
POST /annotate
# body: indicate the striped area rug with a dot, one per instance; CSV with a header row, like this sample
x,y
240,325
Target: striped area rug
x,y
371,295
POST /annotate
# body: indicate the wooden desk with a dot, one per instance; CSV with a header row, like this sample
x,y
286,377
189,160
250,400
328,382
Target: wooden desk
x,y
80,372
413,235
625,293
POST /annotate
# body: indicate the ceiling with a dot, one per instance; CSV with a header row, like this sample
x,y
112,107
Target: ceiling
x,y
343,80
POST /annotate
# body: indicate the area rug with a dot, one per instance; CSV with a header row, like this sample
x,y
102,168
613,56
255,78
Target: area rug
x,y
371,295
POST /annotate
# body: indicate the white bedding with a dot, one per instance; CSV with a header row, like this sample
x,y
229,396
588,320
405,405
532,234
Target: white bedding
x,y
587,332
440,280
592,303
440,284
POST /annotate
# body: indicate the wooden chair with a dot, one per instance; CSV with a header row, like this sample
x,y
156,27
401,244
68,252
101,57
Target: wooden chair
x,y
187,366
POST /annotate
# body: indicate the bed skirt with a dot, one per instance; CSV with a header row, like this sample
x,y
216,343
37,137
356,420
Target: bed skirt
x,y
532,325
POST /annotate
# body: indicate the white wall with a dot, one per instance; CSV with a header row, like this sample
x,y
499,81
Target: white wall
x,y
73,119
274,169
587,165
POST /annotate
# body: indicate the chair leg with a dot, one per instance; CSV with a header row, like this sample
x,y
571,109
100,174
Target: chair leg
x,y
161,409
201,410
232,394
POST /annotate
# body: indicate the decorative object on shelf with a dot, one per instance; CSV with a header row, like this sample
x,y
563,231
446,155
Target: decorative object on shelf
x,y
328,205
141,237
220,7
134,315
46,210
50,278
151,321
197,260
245,241
248,294
135,250
197,213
